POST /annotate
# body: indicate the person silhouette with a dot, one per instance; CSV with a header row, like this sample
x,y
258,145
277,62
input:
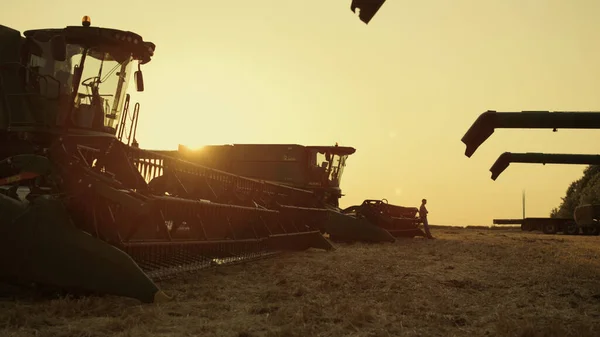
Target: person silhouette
x,y
423,214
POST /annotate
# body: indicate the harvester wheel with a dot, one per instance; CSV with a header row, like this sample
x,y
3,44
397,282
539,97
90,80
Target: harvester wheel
x,y
589,230
549,228
572,229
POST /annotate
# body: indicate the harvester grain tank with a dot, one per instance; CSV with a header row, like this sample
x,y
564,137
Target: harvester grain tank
x,y
586,216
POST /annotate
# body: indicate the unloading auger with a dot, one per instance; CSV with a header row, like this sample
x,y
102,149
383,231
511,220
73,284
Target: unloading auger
x,y
507,158
368,8
586,216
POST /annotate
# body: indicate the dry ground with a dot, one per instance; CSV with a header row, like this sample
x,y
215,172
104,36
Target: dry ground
x,y
467,283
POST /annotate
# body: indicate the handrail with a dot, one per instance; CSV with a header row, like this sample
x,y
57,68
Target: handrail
x,y
133,128
123,117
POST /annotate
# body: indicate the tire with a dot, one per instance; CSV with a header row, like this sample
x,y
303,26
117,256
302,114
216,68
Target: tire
x,y
527,227
549,228
589,230
571,228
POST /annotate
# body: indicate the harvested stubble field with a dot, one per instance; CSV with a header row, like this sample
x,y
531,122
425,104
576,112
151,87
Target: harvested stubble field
x,y
468,282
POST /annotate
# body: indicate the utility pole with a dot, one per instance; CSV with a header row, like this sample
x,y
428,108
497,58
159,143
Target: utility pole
x,y
523,197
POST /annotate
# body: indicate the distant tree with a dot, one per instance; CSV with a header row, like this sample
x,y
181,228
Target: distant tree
x,y
584,190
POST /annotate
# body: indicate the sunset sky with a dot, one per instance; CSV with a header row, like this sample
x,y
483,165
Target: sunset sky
x,y
402,90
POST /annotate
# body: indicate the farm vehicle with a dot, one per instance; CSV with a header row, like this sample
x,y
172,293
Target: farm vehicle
x,y
90,221
546,225
586,216
315,168
84,212
318,169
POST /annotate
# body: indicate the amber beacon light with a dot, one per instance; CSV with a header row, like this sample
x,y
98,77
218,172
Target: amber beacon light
x,y
86,21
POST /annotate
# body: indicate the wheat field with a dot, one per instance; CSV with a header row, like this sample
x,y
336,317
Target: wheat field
x,y
467,282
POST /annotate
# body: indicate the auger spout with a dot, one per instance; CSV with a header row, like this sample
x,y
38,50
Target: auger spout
x,y
368,8
488,121
506,158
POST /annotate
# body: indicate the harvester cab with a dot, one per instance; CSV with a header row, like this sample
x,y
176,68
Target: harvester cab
x,y
74,78
326,167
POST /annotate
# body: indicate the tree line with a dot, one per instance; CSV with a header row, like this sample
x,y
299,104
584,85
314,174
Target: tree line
x,y
585,190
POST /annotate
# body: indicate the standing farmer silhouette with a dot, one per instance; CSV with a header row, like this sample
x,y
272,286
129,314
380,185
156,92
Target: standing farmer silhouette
x,y
423,214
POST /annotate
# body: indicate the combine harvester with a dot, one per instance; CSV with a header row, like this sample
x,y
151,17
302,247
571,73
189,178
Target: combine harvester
x,y
314,168
586,216
89,220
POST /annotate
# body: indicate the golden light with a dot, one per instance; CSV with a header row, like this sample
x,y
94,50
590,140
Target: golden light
x,y
86,21
183,148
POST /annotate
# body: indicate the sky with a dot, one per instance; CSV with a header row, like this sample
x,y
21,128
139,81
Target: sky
x,y
402,90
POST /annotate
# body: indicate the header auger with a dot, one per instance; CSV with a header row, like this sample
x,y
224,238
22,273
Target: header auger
x,y
586,216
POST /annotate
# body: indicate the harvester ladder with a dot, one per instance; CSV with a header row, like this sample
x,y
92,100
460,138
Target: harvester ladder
x,y
123,118
133,125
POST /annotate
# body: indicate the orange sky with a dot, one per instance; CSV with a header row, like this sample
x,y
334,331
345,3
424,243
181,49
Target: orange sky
x,y
402,90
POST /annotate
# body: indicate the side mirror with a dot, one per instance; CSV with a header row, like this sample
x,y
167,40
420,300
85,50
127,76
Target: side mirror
x,y
58,45
139,80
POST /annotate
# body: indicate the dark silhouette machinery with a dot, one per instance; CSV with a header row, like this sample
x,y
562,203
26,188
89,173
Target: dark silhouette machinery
x,y
367,8
586,216
83,211
89,220
315,168
318,169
